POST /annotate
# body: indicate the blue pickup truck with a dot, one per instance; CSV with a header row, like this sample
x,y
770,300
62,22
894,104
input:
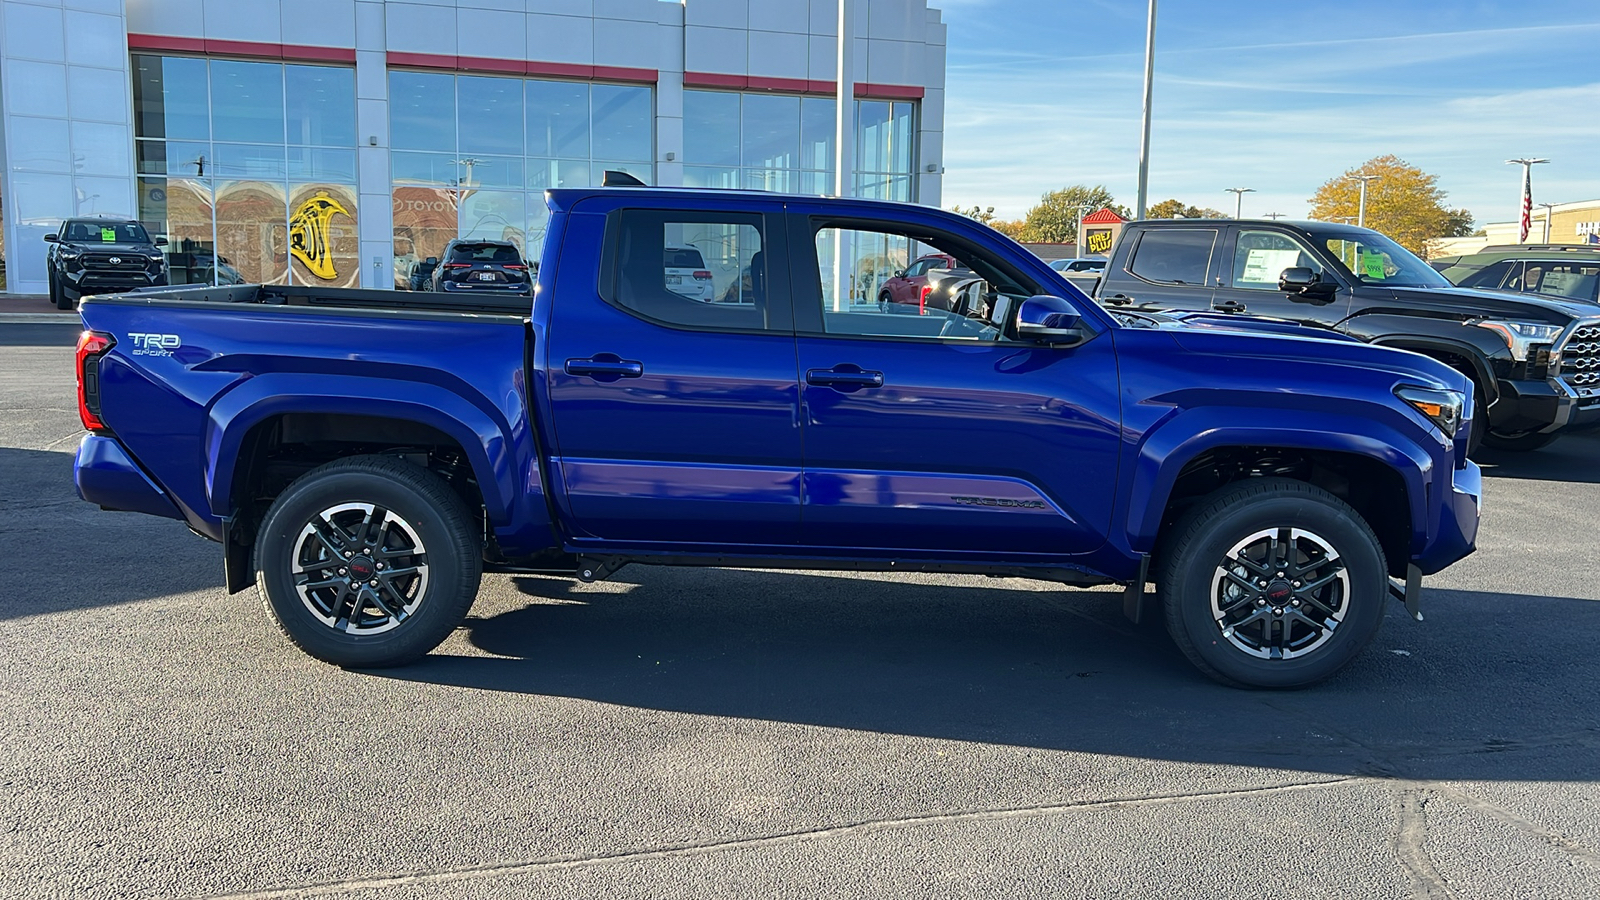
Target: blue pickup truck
x,y
363,456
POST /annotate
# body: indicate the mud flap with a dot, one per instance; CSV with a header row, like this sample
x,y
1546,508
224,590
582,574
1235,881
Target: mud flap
x,y
1133,596
1410,592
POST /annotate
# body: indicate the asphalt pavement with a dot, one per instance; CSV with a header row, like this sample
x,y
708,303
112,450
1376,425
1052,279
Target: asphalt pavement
x,y
683,733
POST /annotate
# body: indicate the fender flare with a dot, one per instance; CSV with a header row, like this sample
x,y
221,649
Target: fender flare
x,y
483,438
1169,447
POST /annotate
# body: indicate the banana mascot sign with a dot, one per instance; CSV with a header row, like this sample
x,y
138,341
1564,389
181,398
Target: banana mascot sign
x,y
308,234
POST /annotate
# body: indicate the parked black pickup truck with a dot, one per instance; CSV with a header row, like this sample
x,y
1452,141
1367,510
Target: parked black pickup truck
x,y
101,256
1535,361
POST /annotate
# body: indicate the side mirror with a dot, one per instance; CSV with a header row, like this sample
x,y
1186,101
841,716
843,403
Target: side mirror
x,y
1050,320
52,239
161,242
899,273
434,260
1302,280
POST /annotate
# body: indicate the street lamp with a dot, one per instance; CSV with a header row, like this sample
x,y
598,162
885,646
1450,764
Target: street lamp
x,y
1361,210
1547,208
1144,139
1238,199
1275,216
1527,163
1077,236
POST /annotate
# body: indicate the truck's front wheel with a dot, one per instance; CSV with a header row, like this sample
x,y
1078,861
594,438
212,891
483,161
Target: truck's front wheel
x,y
367,562
1272,583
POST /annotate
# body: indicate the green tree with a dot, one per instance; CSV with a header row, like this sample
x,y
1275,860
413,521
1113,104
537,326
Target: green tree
x,y
1403,202
1055,219
1173,209
985,214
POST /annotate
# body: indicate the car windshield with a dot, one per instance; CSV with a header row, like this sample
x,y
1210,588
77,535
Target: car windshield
x,y
1371,258
106,233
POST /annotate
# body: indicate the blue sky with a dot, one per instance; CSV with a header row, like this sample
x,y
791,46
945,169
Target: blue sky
x,y
1278,96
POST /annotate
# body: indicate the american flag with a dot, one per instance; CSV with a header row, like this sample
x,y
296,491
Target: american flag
x,y
1527,202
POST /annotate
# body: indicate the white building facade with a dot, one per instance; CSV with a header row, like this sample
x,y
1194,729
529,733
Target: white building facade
x,y
336,142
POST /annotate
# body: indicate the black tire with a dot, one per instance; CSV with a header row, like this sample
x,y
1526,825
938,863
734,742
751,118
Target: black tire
x,y
1517,443
1192,577
51,281
62,297
1480,419
427,594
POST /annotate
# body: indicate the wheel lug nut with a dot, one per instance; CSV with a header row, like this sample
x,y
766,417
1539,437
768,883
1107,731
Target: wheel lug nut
x,y
1277,611
1280,574
373,582
1294,602
1260,602
341,571
380,565
348,554
1297,584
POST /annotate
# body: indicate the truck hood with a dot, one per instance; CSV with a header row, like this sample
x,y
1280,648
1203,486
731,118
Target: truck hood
x,y
100,247
1233,323
1471,303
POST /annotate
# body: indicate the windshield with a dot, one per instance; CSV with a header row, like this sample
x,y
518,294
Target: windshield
x,y
106,233
1371,258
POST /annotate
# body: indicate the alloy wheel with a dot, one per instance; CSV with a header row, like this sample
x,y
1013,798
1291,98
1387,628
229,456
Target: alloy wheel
x,y
359,568
1280,593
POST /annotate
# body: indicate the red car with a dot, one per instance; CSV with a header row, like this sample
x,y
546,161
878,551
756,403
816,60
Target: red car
x,y
907,286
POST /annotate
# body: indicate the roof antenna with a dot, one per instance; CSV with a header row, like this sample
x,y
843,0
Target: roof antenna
x,y
617,178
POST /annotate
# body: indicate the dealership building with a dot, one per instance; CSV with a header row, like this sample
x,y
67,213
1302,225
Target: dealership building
x,y
336,142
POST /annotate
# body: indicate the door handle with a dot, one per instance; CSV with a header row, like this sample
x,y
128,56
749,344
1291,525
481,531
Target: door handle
x,y
1119,299
1230,306
605,367
844,379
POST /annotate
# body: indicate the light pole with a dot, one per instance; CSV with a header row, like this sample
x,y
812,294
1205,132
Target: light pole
x,y
1547,207
1077,236
1361,210
1275,216
1238,199
1149,79
1527,163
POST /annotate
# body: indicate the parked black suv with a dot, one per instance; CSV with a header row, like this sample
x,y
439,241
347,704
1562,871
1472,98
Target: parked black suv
x,y
482,266
1534,361
101,256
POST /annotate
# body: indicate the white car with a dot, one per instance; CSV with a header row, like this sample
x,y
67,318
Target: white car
x,y
686,274
1087,264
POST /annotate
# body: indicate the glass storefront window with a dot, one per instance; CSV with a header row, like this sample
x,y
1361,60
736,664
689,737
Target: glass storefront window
x,y
558,119
490,113
321,105
509,140
261,185
624,124
170,99
785,143
247,102
422,111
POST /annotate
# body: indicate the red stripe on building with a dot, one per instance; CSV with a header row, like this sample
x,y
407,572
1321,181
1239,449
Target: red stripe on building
x,y
522,67
812,87
246,49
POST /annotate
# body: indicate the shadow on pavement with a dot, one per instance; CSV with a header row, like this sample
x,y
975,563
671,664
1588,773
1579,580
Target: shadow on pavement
x,y
24,334
59,553
1574,458
1483,690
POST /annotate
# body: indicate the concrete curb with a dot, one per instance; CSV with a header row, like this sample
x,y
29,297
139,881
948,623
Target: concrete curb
x,y
40,319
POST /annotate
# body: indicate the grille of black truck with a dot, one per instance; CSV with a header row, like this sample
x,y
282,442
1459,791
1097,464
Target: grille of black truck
x,y
115,262
1580,360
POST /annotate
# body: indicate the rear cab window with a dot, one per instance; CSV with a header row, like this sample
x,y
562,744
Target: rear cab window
x,y
1177,256
485,253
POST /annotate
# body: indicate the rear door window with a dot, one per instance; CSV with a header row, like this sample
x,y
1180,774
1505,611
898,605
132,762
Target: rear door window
x,y
1174,255
1489,277
701,270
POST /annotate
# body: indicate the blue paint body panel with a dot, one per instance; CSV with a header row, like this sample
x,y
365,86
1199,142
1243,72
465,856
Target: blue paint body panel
x,y
973,453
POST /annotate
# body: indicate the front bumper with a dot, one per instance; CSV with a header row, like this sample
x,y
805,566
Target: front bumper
x,y
89,281
1457,532
105,474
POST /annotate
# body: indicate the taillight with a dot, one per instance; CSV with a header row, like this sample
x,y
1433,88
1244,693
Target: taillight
x,y
91,346
458,265
702,275
518,266
922,299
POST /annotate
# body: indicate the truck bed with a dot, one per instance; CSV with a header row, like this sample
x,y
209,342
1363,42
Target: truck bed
x,y
343,298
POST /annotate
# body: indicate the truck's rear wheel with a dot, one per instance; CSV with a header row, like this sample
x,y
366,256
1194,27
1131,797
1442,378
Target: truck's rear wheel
x,y
1272,583
1521,442
368,562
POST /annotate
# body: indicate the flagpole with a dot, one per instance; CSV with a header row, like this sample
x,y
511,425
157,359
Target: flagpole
x,y
1527,163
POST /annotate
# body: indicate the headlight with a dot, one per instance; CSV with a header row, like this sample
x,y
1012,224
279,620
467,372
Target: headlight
x,y
68,253
1442,408
1520,335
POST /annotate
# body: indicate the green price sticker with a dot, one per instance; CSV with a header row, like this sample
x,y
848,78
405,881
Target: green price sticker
x,y
108,235
1372,266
